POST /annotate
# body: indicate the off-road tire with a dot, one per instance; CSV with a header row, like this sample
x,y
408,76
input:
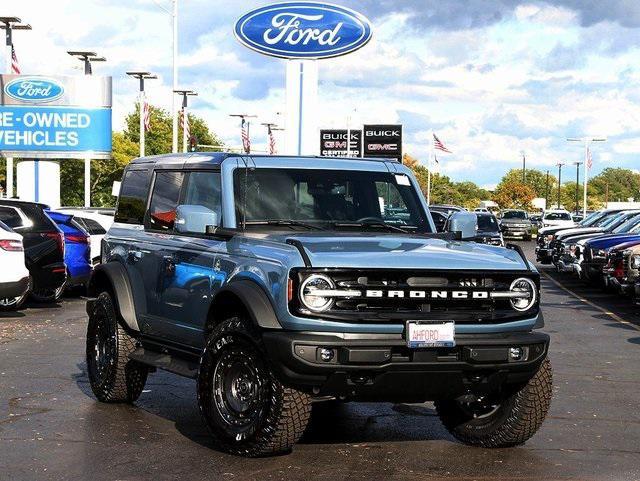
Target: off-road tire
x,y
283,412
517,418
47,296
119,380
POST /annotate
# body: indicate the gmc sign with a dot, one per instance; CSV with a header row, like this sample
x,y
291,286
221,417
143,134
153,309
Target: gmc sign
x,y
333,143
383,141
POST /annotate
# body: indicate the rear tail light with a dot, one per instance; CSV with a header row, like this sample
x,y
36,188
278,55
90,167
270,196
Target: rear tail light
x,y
618,273
78,238
11,245
58,237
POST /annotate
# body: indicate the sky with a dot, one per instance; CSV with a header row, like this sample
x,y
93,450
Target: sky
x,y
493,79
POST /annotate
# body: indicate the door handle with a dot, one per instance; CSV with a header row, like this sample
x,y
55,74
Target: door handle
x,y
169,265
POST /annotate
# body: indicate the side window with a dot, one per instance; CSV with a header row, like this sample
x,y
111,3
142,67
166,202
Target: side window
x,y
164,200
201,204
133,197
10,217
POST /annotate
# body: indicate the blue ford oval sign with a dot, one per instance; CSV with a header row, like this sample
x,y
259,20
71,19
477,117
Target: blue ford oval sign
x,y
34,89
303,30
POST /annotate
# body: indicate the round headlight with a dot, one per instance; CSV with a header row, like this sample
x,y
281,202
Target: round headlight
x,y
635,262
528,289
549,237
312,301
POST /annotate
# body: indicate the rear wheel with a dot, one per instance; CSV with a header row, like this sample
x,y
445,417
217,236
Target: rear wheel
x,y
47,295
13,303
247,409
501,420
112,375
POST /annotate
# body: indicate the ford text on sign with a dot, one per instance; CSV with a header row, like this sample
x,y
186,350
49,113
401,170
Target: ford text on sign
x,y
34,89
303,30
57,129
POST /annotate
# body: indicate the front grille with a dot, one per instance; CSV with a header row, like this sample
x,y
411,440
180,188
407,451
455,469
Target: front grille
x,y
394,309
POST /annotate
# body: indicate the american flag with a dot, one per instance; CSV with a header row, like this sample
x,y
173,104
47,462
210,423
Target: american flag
x,y
246,142
184,122
589,159
437,144
272,141
146,115
15,67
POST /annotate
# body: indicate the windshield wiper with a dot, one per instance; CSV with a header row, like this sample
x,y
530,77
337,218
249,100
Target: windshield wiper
x,y
370,224
287,223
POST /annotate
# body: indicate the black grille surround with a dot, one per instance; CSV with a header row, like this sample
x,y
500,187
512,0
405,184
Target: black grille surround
x,y
394,310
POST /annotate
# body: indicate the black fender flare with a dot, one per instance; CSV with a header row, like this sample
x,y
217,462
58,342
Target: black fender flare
x,y
255,300
113,276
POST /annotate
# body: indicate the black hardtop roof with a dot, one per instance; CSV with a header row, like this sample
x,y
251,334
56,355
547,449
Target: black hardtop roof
x,y
216,158
21,203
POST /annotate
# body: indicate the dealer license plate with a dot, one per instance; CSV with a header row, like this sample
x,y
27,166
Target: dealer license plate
x,y
430,334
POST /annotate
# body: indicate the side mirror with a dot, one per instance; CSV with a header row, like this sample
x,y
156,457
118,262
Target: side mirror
x,y
464,222
195,218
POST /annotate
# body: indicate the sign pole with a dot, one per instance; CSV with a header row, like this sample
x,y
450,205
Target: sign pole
x,y
87,182
141,111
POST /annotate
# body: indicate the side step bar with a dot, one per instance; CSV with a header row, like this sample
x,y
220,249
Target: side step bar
x,y
165,362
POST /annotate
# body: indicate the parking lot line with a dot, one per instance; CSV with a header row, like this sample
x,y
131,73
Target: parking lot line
x,y
612,315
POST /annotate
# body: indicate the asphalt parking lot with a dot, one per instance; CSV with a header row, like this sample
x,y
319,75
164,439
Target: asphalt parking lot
x,y
51,427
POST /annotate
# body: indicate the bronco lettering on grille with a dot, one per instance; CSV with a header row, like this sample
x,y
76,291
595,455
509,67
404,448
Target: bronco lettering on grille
x,y
419,294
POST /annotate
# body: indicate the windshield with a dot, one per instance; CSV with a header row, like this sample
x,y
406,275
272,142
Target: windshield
x,y
629,226
514,214
327,198
613,220
487,223
592,218
557,216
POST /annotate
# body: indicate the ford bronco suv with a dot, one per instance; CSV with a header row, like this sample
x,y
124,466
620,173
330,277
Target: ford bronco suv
x,y
276,282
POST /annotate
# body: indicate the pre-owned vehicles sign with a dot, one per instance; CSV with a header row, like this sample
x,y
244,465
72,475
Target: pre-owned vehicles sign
x,y
333,143
55,116
383,141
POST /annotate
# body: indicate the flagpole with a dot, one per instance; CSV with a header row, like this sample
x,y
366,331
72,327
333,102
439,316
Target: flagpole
x,y
430,163
587,141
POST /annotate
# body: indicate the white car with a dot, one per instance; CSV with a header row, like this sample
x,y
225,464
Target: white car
x,y
14,276
95,222
557,218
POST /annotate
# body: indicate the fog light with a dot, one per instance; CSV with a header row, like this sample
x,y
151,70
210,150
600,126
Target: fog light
x,y
326,355
515,353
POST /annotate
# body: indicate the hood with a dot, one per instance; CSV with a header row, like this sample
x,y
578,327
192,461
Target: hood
x,y
606,241
577,231
627,245
388,251
551,230
515,221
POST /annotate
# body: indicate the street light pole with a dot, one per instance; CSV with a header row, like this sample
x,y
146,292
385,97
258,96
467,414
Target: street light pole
x,y
587,167
9,24
185,118
524,166
142,76
577,164
560,164
86,57
546,194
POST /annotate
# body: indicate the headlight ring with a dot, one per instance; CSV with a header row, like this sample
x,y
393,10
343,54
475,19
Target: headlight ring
x,y
524,285
316,282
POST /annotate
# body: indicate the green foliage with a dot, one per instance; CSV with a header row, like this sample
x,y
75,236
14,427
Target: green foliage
x,y
534,178
514,195
623,184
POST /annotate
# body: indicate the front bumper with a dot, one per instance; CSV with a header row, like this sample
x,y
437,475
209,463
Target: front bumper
x,y
10,290
544,254
516,231
373,367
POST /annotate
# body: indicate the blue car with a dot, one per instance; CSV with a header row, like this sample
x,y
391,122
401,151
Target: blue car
x,y
273,281
77,249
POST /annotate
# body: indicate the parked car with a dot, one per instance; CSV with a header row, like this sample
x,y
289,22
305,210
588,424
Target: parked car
x,y
594,252
283,284
439,219
43,243
14,276
622,269
77,249
488,231
95,222
515,223
481,209
557,218
446,209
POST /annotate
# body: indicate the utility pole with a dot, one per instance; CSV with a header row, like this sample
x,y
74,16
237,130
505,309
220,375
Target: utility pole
x,y
185,119
560,164
524,166
587,166
142,76
9,24
86,57
577,164
546,194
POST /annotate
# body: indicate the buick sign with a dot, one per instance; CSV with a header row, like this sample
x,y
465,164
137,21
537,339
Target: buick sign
x,y
303,30
34,89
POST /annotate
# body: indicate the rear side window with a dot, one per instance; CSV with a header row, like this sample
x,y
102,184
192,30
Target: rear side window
x,y
10,217
133,197
164,200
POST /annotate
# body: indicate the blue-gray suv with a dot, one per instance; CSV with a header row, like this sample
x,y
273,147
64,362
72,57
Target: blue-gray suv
x,y
276,282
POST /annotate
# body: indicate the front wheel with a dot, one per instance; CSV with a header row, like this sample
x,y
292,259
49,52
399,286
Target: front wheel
x,y
503,420
247,409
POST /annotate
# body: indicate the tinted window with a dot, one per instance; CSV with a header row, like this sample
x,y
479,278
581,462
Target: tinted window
x,y
487,223
203,188
514,214
164,200
557,216
10,217
133,197
91,226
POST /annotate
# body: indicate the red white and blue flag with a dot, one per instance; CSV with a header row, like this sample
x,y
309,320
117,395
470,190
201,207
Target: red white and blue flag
x,y
246,141
589,159
146,115
15,66
272,141
438,145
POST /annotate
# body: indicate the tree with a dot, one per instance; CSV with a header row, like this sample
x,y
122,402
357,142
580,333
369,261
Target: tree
x,y
623,184
514,195
536,179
